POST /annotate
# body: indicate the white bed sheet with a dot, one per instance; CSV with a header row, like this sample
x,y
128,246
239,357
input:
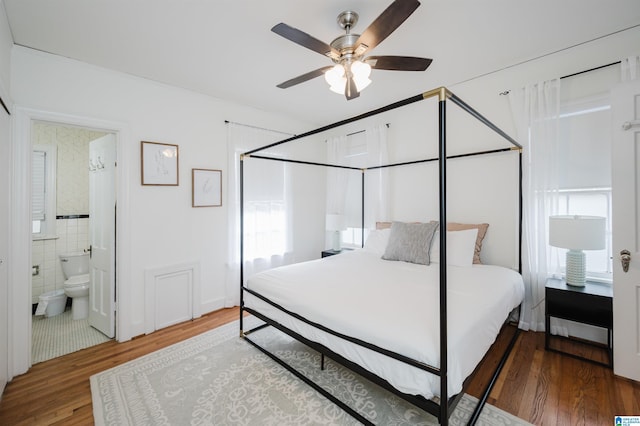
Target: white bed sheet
x,y
394,305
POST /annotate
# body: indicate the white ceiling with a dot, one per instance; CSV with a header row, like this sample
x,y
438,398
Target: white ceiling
x,y
225,48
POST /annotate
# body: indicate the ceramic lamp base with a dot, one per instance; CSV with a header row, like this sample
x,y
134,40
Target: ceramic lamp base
x,y
336,241
576,268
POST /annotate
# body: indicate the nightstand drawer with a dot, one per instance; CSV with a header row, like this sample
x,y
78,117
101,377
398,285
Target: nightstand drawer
x,y
584,308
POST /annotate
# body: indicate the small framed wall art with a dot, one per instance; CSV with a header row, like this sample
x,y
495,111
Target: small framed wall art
x,y
159,163
206,188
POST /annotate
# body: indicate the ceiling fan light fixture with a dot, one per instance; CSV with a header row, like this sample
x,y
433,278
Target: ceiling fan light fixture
x,y
340,87
337,80
361,72
361,84
349,49
360,69
335,75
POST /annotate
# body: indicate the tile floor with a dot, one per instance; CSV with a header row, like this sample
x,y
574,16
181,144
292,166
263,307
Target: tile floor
x,y
60,335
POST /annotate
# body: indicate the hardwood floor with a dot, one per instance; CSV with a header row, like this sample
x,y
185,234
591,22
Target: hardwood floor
x,y
541,387
549,388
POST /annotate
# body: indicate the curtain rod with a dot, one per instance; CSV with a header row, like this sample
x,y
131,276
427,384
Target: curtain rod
x,y
4,106
506,92
364,130
276,131
258,128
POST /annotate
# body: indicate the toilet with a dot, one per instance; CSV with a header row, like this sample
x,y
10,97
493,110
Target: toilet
x,y
75,267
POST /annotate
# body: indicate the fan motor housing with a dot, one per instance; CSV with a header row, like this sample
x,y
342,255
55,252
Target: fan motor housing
x,y
345,43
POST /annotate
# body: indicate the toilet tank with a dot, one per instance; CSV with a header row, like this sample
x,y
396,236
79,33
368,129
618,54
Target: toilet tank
x,y
75,263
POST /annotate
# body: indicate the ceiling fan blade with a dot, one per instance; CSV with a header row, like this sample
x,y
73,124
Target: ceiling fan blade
x,y
398,63
350,90
305,40
304,77
386,23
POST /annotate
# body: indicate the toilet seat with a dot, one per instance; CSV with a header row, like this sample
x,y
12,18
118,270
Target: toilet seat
x,y
77,281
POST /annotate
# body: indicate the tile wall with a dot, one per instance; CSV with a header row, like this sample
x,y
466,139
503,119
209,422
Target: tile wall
x,y
72,193
73,235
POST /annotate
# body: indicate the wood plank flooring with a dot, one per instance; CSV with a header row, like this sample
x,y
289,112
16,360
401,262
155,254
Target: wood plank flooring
x,y
544,388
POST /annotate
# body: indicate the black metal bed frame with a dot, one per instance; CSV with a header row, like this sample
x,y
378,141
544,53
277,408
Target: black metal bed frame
x,y
440,410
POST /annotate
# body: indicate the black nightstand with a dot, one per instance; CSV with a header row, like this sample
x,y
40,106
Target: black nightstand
x,y
591,304
331,252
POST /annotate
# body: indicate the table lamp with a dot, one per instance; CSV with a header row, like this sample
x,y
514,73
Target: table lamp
x,y
577,233
336,223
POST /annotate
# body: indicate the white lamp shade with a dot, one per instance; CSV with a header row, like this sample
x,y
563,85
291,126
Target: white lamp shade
x,y
335,75
577,232
336,222
337,79
361,71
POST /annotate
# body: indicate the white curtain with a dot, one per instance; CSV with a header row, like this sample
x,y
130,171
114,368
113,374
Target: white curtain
x,y
337,150
376,181
267,235
348,151
536,111
630,68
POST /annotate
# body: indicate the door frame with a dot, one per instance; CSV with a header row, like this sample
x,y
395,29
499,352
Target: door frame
x,y
625,233
20,237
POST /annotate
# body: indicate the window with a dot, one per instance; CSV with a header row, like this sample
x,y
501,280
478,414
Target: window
x,y
265,214
585,179
43,191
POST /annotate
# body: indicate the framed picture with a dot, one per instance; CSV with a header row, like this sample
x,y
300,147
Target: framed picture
x,y
206,188
159,163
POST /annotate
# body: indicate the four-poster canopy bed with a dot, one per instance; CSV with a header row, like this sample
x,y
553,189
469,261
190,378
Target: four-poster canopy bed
x,y
423,354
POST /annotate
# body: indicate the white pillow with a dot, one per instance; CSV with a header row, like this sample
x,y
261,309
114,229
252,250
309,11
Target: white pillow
x,y
460,247
377,241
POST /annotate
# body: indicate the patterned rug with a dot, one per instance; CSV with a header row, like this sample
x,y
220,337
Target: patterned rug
x,y
217,378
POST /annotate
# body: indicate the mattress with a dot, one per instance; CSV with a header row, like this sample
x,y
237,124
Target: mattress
x,y
393,305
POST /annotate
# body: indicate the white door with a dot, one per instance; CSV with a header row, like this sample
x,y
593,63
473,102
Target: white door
x,y
102,233
4,246
626,229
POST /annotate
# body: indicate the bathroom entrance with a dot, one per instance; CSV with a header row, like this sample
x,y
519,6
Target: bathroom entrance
x,y
78,221
102,234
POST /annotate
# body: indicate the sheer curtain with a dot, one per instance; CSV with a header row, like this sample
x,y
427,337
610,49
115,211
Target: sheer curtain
x,y
630,68
267,234
377,181
360,150
536,111
337,150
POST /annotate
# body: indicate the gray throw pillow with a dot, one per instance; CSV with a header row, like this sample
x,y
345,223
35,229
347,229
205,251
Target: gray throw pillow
x,y
410,242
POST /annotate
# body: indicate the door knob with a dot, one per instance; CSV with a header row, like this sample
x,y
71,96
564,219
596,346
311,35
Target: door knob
x,y
625,259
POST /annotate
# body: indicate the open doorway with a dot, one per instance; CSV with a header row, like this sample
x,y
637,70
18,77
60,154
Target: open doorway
x,y
73,223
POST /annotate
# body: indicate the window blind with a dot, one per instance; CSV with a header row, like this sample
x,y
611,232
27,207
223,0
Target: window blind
x,y
38,189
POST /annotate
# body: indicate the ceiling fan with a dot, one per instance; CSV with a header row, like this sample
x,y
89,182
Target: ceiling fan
x,y
350,74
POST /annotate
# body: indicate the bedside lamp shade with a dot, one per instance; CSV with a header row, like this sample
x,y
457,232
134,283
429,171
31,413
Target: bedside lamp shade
x,y
577,233
336,223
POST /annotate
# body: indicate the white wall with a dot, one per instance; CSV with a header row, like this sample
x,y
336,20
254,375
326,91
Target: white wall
x,y
5,146
163,227
6,42
413,133
484,93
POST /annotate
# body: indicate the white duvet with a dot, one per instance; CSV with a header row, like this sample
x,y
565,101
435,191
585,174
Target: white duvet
x,y
394,305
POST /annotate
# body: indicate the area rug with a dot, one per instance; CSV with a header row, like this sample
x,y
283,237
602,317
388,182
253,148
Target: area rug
x,y
217,378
